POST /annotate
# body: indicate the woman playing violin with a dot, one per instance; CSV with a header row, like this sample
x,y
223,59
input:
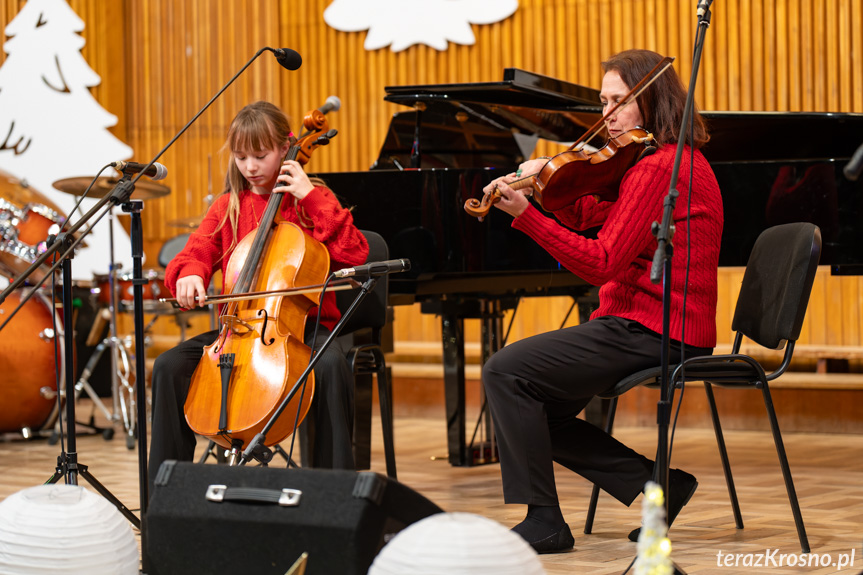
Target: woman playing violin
x,y
537,386
258,139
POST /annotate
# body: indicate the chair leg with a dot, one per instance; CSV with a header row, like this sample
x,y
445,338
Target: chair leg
x,y
786,470
362,431
723,455
594,494
384,390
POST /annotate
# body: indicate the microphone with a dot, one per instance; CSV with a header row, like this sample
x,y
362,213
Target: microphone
x,y
331,105
155,172
703,7
854,168
375,269
288,58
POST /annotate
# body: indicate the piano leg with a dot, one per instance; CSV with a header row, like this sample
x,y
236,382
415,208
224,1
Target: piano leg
x,y
452,327
453,314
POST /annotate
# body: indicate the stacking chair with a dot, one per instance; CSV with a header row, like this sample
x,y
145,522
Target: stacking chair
x,y
366,358
171,248
770,309
363,333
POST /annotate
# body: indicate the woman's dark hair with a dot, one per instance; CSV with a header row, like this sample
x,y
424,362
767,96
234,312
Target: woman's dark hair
x,y
662,103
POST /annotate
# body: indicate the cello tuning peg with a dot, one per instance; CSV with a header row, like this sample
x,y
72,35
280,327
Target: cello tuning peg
x,y
325,139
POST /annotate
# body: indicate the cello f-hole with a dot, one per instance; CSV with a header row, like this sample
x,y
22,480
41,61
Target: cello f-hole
x,y
264,328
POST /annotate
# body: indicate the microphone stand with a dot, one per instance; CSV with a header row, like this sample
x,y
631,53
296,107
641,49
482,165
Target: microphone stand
x,y
256,448
661,271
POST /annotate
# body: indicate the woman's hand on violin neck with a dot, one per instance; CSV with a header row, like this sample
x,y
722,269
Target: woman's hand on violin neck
x,y
513,202
293,180
191,292
531,167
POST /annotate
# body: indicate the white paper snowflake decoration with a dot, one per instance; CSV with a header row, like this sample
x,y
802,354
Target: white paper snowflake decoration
x,y
403,23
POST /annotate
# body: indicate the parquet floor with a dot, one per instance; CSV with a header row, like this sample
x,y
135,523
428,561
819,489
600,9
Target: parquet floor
x,y
827,471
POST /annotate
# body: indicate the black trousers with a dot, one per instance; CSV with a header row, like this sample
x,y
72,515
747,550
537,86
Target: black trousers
x,y
537,386
332,406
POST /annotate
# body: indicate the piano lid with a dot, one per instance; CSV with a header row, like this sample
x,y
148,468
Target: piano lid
x,y
497,124
518,88
487,124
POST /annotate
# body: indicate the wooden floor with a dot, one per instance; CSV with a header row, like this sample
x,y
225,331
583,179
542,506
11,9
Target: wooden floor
x,y
827,472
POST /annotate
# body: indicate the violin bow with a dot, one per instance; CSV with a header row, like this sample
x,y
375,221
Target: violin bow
x,y
640,87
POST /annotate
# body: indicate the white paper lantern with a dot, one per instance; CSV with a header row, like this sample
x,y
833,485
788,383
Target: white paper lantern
x,y
52,529
454,544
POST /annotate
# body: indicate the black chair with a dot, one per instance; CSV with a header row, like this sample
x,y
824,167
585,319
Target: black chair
x,y
363,334
171,248
366,358
770,309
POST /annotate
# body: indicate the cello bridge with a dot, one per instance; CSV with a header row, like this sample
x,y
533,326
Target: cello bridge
x,y
236,325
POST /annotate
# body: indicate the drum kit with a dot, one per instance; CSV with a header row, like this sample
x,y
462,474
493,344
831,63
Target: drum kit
x,y
27,343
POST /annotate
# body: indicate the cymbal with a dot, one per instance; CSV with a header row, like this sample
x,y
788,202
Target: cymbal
x,y
186,223
144,190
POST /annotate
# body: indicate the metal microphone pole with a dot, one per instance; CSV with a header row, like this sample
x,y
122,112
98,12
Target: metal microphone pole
x,y
661,268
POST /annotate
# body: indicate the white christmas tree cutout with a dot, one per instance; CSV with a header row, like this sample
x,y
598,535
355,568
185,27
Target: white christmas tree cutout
x,y
51,127
403,23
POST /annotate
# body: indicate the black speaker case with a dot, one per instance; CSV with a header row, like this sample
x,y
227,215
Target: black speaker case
x,y
342,519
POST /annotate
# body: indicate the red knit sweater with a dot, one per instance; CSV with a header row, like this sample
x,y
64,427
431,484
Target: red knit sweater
x,y
333,227
621,257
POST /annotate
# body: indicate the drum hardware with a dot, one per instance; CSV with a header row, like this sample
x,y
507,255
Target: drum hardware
x,y
116,291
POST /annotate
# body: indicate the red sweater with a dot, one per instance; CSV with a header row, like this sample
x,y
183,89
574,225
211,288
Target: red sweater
x,y
620,258
333,227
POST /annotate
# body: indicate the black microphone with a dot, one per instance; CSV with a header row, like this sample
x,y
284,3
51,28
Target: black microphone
x,y
288,58
331,105
854,168
703,7
375,269
155,172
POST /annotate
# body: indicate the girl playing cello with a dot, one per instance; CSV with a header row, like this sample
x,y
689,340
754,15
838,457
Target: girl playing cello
x,y
258,138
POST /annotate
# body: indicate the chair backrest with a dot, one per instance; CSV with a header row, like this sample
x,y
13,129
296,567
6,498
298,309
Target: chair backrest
x,y
372,312
171,248
777,284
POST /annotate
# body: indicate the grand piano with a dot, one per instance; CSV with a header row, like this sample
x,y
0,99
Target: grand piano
x,y
452,139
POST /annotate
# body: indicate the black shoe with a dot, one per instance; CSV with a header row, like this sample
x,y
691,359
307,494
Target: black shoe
x,y
555,543
681,487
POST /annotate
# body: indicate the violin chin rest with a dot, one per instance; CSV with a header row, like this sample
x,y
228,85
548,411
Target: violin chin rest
x,y
648,150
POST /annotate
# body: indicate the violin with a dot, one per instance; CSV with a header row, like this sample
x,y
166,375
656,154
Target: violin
x,y
578,172
260,353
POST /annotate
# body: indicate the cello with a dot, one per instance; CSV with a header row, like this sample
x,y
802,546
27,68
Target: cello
x,y
244,375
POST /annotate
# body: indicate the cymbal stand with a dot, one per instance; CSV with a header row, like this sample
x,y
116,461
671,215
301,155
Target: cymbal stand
x,y
121,389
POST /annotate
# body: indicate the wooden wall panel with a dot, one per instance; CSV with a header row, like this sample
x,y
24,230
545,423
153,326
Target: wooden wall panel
x,y
161,60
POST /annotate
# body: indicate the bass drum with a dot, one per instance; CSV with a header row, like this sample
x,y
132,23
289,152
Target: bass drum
x,y
26,219
29,382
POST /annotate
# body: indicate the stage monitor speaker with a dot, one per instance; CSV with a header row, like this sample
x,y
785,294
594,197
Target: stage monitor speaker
x,y
243,520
